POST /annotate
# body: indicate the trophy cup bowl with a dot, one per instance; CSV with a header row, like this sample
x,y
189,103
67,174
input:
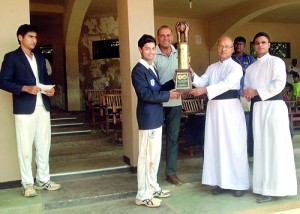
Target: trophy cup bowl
x,y
182,27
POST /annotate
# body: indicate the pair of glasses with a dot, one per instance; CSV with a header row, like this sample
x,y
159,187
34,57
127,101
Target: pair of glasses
x,y
224,46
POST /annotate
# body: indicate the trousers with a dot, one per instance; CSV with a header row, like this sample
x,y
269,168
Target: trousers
x,y
33,129
148,162
172,120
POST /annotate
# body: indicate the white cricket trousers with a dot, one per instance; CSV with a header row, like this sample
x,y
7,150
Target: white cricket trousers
x,y
148,162
33,128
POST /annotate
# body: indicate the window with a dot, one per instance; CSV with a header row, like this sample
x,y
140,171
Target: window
x,y
105,49
47,51
279,49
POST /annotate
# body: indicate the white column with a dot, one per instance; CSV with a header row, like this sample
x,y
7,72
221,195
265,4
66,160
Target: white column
x,y
135,18
13,14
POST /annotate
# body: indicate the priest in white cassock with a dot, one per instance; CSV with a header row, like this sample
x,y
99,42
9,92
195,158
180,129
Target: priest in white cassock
x,y
225,145
274,173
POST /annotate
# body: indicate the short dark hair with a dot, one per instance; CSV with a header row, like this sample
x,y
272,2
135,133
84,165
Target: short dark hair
x,y
163,26
146,39
24,29
240,39
261,34
295,74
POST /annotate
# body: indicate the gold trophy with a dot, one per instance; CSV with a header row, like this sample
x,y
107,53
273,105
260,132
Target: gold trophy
x,y
183,81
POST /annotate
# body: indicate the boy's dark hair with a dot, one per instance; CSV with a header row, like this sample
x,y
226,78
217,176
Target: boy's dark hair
x,y
261,34
295,74
146,39
24,29
240,39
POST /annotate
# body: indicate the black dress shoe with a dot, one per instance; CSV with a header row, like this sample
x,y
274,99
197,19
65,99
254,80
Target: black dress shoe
x,y
238,193
217,191
173,179
265,198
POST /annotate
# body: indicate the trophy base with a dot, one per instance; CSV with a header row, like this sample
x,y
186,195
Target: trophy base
x,y
183,80
183,90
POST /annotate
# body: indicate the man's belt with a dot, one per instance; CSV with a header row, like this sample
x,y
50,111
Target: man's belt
x,y
231,94
257,98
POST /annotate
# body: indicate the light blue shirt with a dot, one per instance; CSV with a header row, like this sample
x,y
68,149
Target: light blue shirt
x,y
166,66
245,60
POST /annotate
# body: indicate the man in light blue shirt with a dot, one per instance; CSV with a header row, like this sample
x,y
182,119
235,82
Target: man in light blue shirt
x,y
166,62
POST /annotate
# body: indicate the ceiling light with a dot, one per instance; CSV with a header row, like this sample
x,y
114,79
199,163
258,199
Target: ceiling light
x,y
191,4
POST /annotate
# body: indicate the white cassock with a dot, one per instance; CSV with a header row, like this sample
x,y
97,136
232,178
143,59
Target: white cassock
x,y
225,147
274,172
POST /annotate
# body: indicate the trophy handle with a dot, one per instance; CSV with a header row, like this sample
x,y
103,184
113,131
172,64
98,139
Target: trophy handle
x,y
186,32
177,26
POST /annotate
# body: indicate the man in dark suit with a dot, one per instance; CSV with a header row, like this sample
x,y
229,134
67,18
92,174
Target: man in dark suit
x,y
150,118
24,74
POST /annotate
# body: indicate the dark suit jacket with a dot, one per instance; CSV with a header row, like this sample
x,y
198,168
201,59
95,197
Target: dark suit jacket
x,y
150,95
16,72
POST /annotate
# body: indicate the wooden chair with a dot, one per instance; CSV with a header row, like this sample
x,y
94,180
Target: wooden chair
x,y
114,91
186,96
294,112
113,106
192,106
203,98
118,127
94,106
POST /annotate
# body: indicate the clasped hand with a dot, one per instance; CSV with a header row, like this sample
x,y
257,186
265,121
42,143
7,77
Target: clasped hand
x,y
198,91
249,93
34,90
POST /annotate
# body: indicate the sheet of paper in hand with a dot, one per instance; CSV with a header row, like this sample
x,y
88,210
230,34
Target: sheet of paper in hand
x,y
45,87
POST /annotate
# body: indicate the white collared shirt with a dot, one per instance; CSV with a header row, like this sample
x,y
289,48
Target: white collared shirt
x,y
33,65
144,63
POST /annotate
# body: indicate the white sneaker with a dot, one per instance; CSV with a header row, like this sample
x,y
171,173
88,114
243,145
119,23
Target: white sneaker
x,y
29,191
162,194
154,202
49,185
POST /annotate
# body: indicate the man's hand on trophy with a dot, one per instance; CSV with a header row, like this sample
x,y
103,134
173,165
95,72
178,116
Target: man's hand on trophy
x,y
198,91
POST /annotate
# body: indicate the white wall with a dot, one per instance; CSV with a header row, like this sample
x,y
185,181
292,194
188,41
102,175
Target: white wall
x,y
10,22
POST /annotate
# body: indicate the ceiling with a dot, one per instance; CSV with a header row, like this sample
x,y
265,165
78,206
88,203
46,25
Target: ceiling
x,y
201,9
